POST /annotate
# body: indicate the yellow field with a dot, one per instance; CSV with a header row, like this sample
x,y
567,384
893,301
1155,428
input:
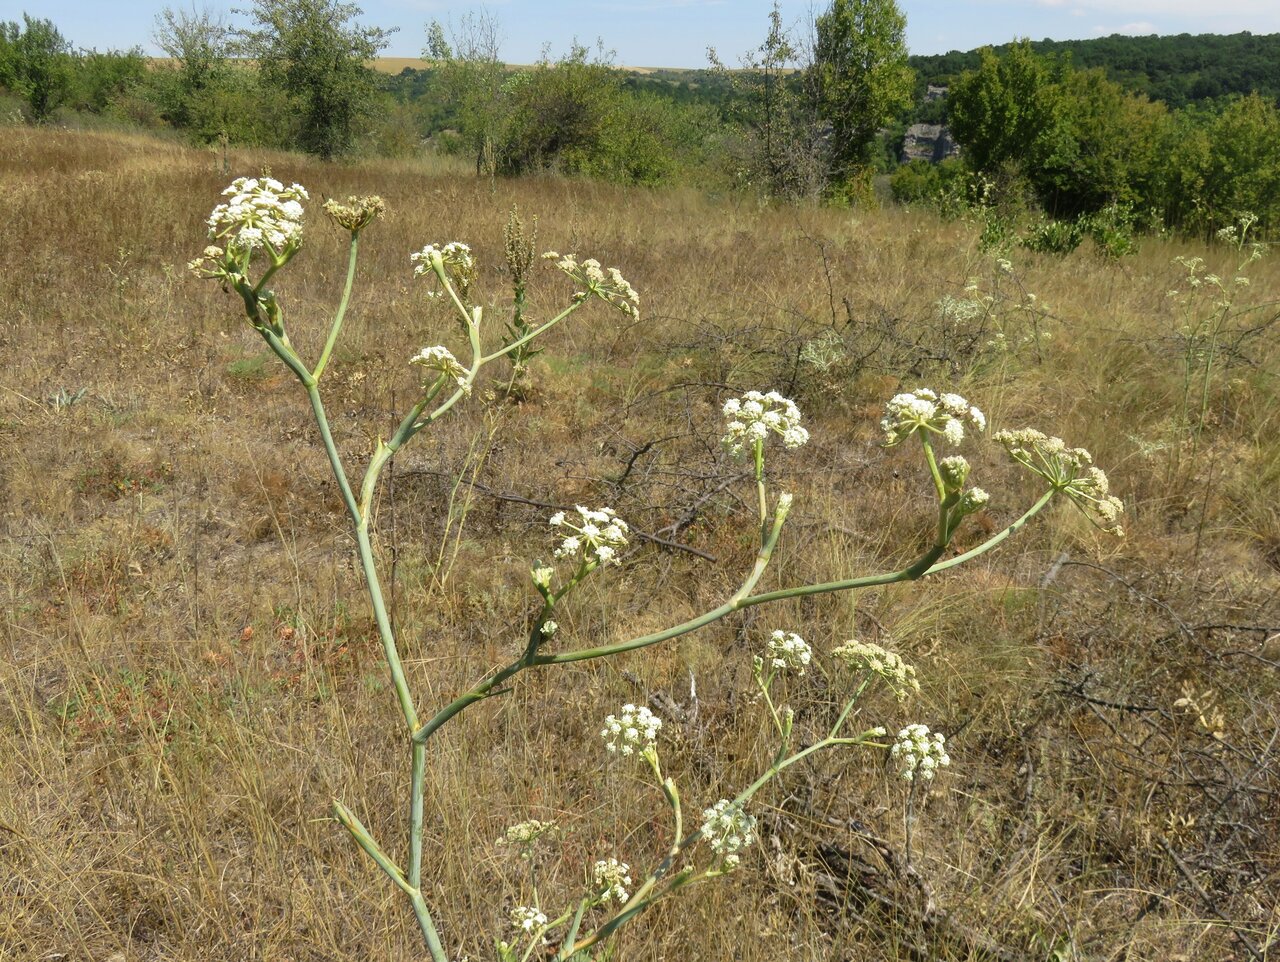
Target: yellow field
x,y
188,670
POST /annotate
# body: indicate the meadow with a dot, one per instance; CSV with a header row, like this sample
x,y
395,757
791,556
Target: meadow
x,y
189,671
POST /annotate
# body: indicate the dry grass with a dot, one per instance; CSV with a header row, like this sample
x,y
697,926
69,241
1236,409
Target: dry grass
x,y
188,672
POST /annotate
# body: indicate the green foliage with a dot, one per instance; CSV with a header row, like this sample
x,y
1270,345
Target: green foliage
x,y
468,75
1177,70
313,51
1048,236
198,45
860,76
103,79
36,62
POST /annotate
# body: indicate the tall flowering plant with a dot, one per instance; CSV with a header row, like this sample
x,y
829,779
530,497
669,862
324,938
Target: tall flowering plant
x,y
258,230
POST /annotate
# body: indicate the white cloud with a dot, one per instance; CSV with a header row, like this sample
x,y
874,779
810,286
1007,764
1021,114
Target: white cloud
x,y
1266,11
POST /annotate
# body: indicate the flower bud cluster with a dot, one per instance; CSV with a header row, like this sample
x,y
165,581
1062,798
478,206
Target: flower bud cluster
x,y
787,651
923,410
919,752
442,361
596,538
866,656
453,259
1069,470
608,284
614,878
357,213
523,835
635,728
754,416
728,830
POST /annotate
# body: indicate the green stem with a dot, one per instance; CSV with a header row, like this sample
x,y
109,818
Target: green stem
x,y
342,307
508,348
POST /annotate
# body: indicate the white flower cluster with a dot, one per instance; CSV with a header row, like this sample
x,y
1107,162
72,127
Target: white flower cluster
x,y
260,212
523,835
728,830
919,752
787,651
606,283
754,416
528,919
1069,470
596,538
922,409
454,257
865,656
441,360
612,876
636,728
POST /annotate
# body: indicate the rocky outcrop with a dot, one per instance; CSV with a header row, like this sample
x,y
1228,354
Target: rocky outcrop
x,y
931,142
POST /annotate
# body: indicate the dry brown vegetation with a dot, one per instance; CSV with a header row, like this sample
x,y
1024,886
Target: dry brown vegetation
x,y
188,670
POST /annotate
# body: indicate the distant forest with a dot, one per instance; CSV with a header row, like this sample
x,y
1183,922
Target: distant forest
x,y
1178,70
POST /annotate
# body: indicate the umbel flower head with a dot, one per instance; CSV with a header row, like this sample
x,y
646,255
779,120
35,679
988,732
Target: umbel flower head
x,y
865,656
923,410
728,830
357,213
527,919
606,283
261,213
442,361
754,416
614,878
633,729
919,753
453,259
787,651
595,538
1069,470
524,835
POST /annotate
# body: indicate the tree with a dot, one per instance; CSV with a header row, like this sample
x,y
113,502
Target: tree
x,y
778,130
860,76
473,79
314,51
39,64
198,42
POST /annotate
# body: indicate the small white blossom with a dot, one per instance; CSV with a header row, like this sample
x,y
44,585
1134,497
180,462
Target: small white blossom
x,y
596,537
728,830
635,728
754,416
919,752
549,628
542,577
440,359
527,919
865,656
613,877
787,651
923,410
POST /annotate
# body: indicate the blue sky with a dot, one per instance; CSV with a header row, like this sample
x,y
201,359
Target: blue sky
x,y
668,33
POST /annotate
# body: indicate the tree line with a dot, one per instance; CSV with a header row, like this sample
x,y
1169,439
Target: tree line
x,y
813,110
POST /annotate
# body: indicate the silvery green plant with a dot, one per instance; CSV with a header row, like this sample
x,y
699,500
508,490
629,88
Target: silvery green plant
x,y
258,230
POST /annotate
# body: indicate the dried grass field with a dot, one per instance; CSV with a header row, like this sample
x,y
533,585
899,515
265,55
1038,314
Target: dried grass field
x,y
189,671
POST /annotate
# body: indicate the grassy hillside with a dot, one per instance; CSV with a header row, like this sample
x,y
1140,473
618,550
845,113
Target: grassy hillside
x,y
188,670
